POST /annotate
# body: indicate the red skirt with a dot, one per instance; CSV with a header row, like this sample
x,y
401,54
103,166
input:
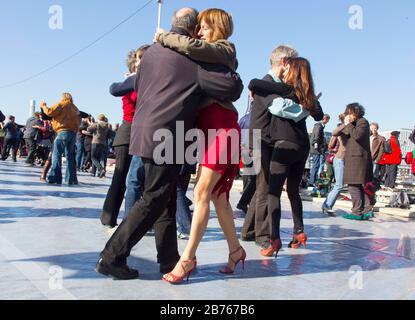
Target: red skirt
x,y
222,141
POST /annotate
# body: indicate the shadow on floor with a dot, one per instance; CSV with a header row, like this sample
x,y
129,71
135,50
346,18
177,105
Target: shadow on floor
x,y
322,257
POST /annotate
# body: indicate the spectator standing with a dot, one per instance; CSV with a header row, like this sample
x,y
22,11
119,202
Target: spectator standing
x,y
392,161
66,120
10,140
377,148
318,148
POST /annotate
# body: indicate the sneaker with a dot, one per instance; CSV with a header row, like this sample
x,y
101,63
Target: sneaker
x,y
369,215
118,272
356,216
182,236
328,211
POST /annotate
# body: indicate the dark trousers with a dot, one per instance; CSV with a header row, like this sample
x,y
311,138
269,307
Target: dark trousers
x,y
115,195
99,156
156,207
287,164
391,174
87,160
9,143
256,221
31,149
360,199
183,214
379,172
249,190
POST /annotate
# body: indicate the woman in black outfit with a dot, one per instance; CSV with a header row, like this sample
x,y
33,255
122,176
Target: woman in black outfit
x,y
291,147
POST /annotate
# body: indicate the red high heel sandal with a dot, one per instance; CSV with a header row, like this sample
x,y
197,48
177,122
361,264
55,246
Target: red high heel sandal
x,y
275,247
298,240
188,266
227,269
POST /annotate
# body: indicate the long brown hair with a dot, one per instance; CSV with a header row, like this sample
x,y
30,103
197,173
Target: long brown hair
x,y
300,78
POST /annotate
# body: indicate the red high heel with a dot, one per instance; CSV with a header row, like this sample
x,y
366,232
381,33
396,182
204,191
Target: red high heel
x,y
276,246
227,269
298,240
188,266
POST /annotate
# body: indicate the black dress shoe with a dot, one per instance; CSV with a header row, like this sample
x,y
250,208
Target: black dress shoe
x,y
118,272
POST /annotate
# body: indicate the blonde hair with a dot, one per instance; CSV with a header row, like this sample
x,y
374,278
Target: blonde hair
x,y
219,20
67,97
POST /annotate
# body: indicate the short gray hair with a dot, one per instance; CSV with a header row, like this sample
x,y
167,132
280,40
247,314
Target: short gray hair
x,y
281,52
185,18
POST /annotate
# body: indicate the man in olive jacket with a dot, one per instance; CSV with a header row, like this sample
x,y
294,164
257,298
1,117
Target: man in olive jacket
x,y
171,88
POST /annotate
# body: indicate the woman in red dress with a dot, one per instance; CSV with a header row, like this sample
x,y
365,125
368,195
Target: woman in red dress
x,y
219,163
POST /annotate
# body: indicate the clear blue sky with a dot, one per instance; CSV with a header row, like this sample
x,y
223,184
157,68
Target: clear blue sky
x,y
374,66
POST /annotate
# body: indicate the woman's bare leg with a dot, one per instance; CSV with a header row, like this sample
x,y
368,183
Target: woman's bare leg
x,y
226,221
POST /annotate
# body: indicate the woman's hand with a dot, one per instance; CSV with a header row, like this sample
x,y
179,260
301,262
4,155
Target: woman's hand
x,y
157,34
348,119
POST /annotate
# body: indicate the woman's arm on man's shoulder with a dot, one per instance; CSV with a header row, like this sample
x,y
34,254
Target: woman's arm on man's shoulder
x,y
221,51
120,89
258,86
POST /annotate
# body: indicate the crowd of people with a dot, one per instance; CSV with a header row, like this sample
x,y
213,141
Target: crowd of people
x,y
48,135
189,76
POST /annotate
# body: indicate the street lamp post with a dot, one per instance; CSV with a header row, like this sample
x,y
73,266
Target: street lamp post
x,y
160,2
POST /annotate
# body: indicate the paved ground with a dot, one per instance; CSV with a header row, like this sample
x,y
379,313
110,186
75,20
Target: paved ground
x,y
50,239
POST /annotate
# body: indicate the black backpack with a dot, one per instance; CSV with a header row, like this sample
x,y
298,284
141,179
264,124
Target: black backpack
x,y
387,147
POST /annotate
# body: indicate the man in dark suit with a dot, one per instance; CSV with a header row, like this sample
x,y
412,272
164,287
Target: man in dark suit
x,y
318,146
171,88
31,135
256,226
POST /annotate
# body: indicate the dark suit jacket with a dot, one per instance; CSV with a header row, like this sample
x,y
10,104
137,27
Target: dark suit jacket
x,y
358,160
171,88
275,128
317,137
